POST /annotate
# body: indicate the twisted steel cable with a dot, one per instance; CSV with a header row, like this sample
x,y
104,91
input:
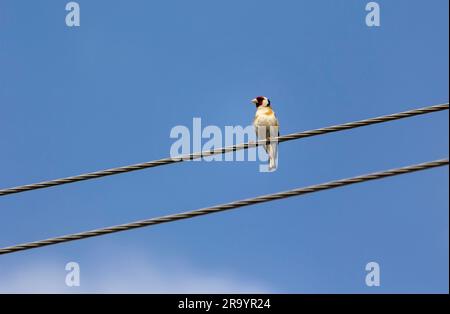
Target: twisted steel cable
x,y
222,150
223,207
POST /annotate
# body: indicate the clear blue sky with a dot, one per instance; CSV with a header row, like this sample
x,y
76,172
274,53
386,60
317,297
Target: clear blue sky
x,y
108,93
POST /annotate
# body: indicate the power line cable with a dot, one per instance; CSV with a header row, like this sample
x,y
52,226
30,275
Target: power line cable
x,y
223,207
223,150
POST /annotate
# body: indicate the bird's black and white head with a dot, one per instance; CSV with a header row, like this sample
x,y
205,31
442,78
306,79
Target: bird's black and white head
x,y
261,101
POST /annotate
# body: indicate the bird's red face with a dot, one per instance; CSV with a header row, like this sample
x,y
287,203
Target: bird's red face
x,y
261,101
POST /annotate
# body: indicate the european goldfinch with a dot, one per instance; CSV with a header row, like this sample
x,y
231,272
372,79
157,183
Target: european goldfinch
x,y
266,126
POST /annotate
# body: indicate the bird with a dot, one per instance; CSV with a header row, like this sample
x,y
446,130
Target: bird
x,y
266,126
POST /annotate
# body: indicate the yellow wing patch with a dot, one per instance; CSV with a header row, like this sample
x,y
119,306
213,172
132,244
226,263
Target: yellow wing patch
x,y
268,112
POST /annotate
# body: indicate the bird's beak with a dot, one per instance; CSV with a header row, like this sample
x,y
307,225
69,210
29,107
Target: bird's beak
x,y
254,101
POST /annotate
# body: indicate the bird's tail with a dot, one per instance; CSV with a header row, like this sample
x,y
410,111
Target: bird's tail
x,y
272,151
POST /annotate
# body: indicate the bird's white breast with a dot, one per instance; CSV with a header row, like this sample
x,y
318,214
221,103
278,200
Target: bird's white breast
x,y
265,117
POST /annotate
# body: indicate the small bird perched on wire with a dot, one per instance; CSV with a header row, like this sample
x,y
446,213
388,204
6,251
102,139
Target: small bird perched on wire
x,y
266,126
